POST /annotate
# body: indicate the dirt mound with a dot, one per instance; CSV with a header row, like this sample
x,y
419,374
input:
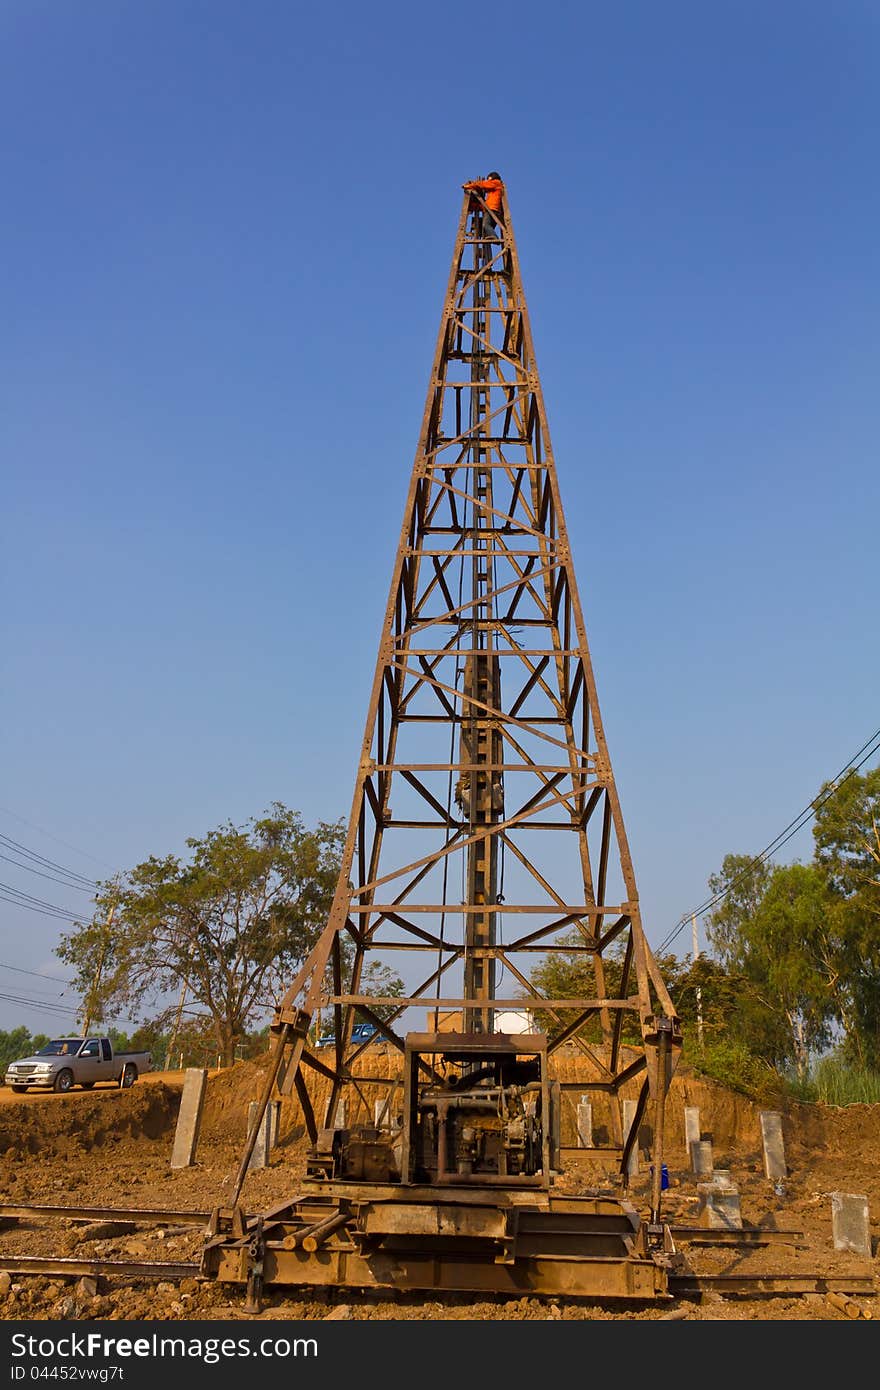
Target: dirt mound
x,y
230,1092
105,1120
227,1097
113,1120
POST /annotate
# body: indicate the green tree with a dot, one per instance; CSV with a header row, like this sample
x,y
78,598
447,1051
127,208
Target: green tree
x,y
232,923
734,1013
846,834
381,979
729,1005
847,838
742,882
791,948
18,1043
151,1035
775,931
569,974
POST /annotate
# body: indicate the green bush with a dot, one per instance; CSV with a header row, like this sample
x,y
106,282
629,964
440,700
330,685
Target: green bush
x,y
731,1064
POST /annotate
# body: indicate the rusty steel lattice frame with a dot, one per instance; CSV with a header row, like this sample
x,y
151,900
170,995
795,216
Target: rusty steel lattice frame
x,y
484,751
484,502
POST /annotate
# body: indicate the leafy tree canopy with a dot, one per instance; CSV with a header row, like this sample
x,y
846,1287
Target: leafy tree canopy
x,y
569,974
742,882
805,936
791,948
846,834
847,838
231,923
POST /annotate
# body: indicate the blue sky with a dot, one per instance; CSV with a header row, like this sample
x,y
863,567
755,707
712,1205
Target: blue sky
x,y
225,241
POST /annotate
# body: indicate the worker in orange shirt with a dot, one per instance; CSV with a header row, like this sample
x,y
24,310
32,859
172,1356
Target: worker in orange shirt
x,y
492,188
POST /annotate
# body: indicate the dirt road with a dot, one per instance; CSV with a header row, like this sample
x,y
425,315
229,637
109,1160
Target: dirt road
x,y
168,1078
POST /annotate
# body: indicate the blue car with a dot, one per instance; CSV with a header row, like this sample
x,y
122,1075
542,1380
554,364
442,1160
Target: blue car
x,y
360,1033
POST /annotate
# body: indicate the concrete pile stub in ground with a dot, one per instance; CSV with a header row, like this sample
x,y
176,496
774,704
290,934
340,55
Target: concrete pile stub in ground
x,y
692,1131
267,1134
719,1204
850,1223
189,1118
629,1114
584,1124
702,1158
775,1167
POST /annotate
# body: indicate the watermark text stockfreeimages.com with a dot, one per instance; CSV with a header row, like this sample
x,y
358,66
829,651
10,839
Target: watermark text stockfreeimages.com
x,y
98,1345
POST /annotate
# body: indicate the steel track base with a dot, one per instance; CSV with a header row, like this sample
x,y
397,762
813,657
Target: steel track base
x,y
466,1240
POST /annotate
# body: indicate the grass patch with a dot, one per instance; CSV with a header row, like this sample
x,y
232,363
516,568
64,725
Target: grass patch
x,y
833,1082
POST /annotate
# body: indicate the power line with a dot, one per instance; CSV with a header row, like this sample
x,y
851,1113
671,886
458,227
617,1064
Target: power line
x,y
872,745
784,835
80,887
29,897
23,1002
37,904
20,970
46,863
49,836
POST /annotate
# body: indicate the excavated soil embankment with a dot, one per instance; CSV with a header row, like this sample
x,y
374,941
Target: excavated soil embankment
x,y
101,1120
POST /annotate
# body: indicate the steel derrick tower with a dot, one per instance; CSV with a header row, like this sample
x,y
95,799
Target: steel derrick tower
x,y
486,833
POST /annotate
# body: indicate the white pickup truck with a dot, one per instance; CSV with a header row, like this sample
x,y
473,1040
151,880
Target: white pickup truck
x,y
67,1062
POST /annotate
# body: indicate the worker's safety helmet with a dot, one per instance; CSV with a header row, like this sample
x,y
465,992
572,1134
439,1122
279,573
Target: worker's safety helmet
x,y
494,175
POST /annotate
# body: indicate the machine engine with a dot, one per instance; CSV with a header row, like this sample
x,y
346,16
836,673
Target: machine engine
x,y
489,1114
478,1127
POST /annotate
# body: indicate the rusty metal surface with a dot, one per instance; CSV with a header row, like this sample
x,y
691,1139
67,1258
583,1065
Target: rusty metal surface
x,y
127,1269
606,1278
751,1236
431,1219
467,1241
752,1284
155,1216
459,1270
483,735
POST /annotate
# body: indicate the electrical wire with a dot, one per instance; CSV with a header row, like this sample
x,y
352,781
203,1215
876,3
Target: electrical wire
x,y
80,887
872,745
40,831
23,1002
20,970
37,905
29,897
45,862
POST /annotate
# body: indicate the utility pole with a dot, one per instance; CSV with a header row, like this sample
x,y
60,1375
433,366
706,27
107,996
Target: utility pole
x,y
696,955
92,994
176,1028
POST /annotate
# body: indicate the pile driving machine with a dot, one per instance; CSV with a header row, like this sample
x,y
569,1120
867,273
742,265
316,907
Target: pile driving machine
x,y
486,856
